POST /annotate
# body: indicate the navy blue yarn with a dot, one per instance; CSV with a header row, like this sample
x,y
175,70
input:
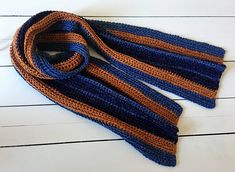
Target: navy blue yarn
x,y
129,79
196,98
64,26
154,95
154,55
57,58
152,153
206,74
43,64
204,69
76,84
173,39
129,115
93,93
161,57
24,28
60,46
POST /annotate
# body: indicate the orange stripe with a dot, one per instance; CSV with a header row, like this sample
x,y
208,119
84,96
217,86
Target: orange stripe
x,y
24,63
72,104
61,37
69,64
72,62
114,81
156,72
165,46
91,112
132,92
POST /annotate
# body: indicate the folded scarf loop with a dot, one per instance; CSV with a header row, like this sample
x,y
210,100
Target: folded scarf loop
x,y
109,91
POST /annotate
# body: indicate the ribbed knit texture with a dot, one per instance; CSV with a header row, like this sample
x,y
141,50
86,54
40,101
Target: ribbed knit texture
x,y
111,92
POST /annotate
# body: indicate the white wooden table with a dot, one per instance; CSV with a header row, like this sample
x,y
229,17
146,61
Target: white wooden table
x,y
38,136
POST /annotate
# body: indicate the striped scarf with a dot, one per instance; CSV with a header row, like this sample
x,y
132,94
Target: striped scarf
x,y
109,91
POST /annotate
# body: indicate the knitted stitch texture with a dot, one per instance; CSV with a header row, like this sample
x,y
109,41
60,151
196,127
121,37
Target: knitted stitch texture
x,y
109,91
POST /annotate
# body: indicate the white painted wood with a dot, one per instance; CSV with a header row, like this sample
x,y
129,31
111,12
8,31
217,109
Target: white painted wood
x,y
123,7
39,124
34,134
217,31
210,154
15,90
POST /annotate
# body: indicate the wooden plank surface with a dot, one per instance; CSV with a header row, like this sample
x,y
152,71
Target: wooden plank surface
x,y
123,7
37,135
51,123
202,153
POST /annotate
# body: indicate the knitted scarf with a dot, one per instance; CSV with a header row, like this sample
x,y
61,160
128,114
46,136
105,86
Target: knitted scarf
x,y
110,91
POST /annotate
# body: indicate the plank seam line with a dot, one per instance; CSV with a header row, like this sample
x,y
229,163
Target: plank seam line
x,y
103,140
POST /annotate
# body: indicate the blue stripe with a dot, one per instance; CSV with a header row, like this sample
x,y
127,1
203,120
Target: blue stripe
x,y
203,72
169,38
96,95
79,85
151,93
155,154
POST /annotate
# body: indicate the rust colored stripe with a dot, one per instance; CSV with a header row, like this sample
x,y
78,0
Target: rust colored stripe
x,y
25,63
61,37
132,92
156,72
109,78
69,64
165,46
72,62
92,112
